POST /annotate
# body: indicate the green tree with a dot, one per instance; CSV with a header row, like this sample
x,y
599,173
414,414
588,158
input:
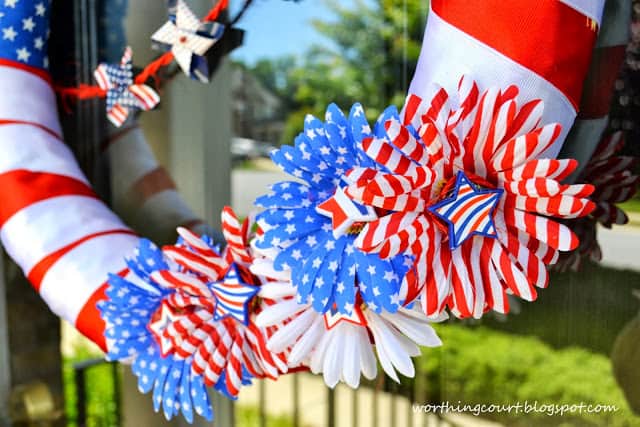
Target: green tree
x,y
370,57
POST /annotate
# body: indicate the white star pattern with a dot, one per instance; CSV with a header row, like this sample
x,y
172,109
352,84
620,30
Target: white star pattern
x,y
28,24
40,9
23,54
10,3
9,34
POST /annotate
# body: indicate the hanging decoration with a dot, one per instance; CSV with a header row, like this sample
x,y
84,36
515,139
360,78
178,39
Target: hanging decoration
x,y
122,94
614,182
188,39
187,317
464,193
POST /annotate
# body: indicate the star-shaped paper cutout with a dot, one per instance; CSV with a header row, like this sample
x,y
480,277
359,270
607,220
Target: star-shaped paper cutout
x,y
468,212
344,212
333,316
189,39
164,317
122,93
232,296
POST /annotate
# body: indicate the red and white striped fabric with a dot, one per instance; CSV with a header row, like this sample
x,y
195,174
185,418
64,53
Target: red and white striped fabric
x,y
608,56
51,222
143,192
542,46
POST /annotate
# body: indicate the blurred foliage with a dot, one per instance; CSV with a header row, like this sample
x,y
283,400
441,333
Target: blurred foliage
x,y
477,365
371,54
249,416
101,399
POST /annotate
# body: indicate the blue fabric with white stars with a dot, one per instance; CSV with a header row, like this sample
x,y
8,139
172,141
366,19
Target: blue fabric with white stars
x,y
24,27
325,270
127,312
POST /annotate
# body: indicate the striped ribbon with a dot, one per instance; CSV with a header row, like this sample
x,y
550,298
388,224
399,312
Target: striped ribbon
x,y
51,222
544,47
595,104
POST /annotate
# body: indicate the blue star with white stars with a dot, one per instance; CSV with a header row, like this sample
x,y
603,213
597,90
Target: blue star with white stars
x,y
327,270
468,212
24,31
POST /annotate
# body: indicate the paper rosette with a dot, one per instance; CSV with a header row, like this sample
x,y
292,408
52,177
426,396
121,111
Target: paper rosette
x,y
615,182
340,301
186,320
465,193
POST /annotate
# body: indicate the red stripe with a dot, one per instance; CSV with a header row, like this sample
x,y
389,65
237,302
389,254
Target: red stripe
x,y
89,321
38,125
29,187
598,88
39,72
546,36
38,272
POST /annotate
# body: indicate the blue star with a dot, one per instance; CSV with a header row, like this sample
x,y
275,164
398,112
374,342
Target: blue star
x,y
232,296
468,212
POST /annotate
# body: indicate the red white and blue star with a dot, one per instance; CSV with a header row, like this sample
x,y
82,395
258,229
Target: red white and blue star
x,y
468,211
232,296
122,94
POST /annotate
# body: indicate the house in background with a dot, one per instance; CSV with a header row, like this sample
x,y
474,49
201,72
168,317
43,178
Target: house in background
x,y
256,111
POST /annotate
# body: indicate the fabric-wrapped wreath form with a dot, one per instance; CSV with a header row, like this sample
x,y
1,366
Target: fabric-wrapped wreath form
x,y
186,317
462,189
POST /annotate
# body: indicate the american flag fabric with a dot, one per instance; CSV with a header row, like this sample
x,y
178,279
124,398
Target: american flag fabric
x,y
494,141
122,94
342,347
302,221
188,39
612,175
52,223
544,47
25,32
186,319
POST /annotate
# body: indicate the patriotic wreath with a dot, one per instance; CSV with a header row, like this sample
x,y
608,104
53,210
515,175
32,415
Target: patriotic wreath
x,y
443,208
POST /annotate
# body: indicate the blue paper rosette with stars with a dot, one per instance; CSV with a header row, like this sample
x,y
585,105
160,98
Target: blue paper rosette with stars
x,y
312,224
184,316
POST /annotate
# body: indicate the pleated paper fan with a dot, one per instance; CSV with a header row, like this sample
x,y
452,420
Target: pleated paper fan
x,y
186,320
468,197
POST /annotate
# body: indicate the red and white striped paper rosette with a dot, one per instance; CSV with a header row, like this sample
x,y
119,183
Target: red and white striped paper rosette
x,y
542,46
51,222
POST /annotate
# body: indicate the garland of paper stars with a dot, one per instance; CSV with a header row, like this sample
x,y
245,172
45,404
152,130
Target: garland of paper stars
x,y
185,40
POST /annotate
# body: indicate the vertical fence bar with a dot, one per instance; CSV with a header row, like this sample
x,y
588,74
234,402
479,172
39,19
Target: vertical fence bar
x,y
115,372
296,400
393,394
81,396
262,403
376,391
331,408
355,411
